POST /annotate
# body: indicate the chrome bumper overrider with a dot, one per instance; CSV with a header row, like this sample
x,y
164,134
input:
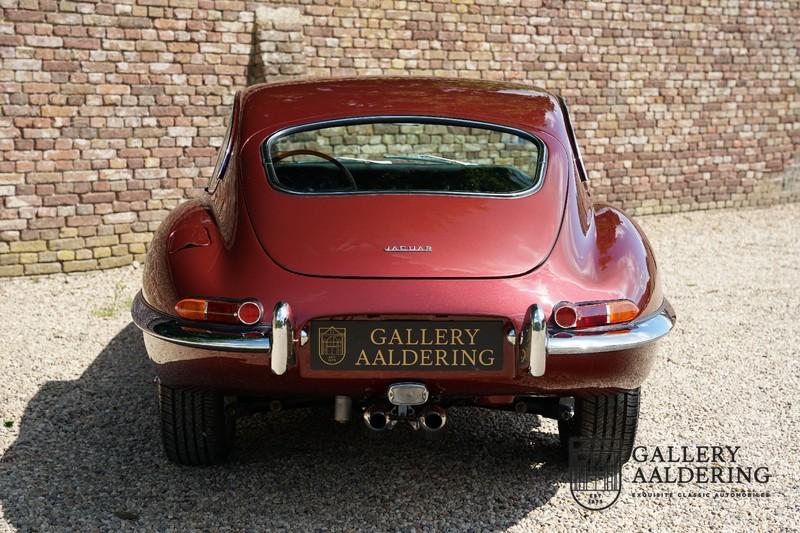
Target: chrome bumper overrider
x,y
277,341
282,337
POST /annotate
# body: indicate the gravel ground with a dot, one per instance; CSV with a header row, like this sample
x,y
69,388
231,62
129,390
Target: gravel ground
x,y
80,443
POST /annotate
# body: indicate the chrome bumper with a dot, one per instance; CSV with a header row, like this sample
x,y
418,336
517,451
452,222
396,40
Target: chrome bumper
x,y
277,340
537,342
274,340
200,334
639,333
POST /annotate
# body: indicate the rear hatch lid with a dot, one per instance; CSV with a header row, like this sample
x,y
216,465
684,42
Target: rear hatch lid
x,y
373,232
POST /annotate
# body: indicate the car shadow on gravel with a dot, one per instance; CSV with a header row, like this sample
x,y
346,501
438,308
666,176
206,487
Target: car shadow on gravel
x,y
89,457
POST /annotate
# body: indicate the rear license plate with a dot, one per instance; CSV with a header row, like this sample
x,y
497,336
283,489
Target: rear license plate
x,y
403,345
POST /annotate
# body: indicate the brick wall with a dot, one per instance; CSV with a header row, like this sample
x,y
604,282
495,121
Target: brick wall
x,y
110,112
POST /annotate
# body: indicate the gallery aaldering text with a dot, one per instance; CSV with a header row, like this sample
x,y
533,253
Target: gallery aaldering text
x,y
694,464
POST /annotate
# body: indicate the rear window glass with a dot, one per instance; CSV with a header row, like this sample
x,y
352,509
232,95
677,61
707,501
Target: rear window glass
x,y
404,157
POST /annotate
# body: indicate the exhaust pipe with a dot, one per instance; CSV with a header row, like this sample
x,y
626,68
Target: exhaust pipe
x,y
378,418
433,418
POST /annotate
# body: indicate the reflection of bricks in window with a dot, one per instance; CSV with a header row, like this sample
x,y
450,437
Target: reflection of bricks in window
x,y
111,115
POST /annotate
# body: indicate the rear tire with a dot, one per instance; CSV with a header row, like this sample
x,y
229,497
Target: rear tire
x,y
196,430
613,417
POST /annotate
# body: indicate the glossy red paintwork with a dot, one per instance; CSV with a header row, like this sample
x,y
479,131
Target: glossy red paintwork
x,y
471,237
278,106
599,253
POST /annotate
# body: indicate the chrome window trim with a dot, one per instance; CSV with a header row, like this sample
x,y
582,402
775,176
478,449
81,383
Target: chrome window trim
x,y
573,140
223,157
266,161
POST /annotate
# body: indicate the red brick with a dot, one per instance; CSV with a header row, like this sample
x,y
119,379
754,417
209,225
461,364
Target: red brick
x,y
110,112
98,197
83,220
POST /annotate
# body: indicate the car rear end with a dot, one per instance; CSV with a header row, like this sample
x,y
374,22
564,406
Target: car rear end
x,y
396,265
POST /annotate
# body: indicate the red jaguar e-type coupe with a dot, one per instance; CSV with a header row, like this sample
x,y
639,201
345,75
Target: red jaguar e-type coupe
x,y
396,247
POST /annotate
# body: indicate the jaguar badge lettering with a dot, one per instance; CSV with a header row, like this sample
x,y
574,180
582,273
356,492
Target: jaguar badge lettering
x,y
408,248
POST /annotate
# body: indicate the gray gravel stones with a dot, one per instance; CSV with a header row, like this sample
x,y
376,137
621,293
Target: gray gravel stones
x,y
83,450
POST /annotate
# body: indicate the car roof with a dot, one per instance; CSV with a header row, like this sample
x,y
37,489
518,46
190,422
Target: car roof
x,y
266,108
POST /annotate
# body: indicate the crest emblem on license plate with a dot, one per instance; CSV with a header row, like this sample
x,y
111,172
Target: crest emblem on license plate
x,y
332,345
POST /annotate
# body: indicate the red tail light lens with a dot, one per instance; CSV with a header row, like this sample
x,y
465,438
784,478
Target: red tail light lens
x,y
565,315
222,311
250,312
593,314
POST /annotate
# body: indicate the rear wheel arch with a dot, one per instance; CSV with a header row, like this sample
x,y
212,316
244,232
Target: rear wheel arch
x,y
189,236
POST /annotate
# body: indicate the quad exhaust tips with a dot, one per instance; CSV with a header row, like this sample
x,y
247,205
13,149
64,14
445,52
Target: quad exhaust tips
x,y
380,417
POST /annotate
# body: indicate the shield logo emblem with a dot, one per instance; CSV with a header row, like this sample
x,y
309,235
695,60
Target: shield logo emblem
x,y
332,346
595,472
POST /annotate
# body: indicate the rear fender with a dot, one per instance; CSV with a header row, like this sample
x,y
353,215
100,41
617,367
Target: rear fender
x,y
606,254
187,246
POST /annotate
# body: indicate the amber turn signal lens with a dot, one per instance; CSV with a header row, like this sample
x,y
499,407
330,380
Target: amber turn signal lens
x,y
191,309
620,311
